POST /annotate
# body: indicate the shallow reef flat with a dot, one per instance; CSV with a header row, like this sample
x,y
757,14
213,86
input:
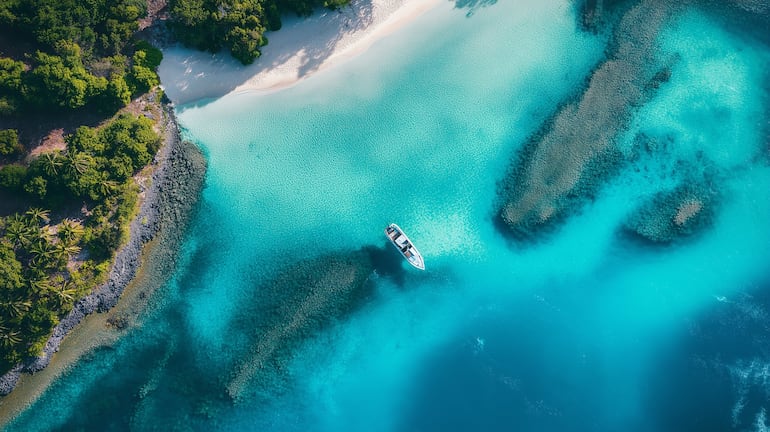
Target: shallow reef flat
x,y
595,135
302,300
564,162
673,214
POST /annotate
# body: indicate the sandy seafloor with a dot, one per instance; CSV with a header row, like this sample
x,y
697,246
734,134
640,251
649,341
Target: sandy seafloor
x,y
581,328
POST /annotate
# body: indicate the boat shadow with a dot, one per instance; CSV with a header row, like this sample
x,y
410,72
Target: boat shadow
x,y
387,262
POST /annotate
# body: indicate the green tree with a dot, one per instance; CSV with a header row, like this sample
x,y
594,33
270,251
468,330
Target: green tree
x,y
12,177
245,44
10,85
86,140
120,167
117,94
10,75
53,81
11,279
143,78
9,142
37,187
133,137
150,56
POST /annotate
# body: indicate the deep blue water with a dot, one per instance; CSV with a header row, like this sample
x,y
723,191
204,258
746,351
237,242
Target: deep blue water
x,y
582,328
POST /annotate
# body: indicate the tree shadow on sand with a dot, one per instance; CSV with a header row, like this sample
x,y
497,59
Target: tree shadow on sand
x,y
471,6
350,19
307,42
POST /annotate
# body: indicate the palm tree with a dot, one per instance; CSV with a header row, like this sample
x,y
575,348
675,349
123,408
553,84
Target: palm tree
x,y
78,162
41,285
15,231
9,338
37,213
15,306
61,253
107,187
63,290
70,231
42,252
51,163
21,231
67,250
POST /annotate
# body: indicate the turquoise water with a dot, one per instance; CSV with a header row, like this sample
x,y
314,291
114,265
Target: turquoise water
x,y
582,329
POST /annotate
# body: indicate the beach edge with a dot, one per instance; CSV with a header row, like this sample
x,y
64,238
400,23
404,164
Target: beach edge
x,y
155,237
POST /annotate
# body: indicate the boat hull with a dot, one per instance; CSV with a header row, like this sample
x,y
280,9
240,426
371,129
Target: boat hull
x,y
404,245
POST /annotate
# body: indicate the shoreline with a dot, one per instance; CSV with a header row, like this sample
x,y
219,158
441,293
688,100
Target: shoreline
x,y
350,45
303,47
141,265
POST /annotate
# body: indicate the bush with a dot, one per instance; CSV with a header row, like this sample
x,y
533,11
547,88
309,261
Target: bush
x,y
142,79
37,187
12,177
9,142
147,55
116,95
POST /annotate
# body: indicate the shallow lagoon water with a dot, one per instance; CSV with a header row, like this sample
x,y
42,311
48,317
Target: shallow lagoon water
x,y
582,329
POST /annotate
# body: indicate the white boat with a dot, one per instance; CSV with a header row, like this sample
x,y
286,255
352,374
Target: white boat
x,y
404,246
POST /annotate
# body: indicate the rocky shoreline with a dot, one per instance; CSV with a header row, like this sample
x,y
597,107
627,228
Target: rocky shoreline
x,y
168,203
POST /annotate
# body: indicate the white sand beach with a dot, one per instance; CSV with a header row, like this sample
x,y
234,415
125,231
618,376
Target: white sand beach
x,y
302,46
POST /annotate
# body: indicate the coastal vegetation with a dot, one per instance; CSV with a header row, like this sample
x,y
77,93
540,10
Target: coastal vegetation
x,y
66,208
62,55
237,25
45,265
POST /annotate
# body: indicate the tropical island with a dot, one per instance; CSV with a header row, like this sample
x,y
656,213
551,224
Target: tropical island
x,y
82,120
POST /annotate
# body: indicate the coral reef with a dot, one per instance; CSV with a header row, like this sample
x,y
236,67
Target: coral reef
x,y
594,15
674,214
302,300
550,175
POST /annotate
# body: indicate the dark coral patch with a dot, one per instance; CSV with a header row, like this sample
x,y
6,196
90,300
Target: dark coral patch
x,y
674,214
302,300
576,151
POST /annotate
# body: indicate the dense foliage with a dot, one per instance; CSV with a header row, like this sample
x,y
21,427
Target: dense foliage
x,y
237,25
61,57
78,54
44,268
9,142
